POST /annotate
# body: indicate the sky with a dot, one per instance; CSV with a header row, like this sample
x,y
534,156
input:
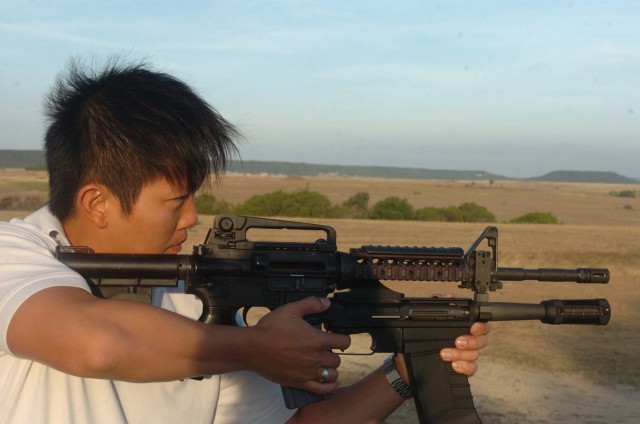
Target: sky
x,y
515,88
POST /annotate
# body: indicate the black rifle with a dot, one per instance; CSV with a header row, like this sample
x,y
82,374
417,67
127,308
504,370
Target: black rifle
x,y
230,272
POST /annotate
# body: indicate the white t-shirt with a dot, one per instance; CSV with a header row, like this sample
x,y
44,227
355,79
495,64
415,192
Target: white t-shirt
x,y
31,392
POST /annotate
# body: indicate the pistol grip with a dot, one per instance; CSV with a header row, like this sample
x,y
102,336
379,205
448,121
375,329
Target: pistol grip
x,y
442,396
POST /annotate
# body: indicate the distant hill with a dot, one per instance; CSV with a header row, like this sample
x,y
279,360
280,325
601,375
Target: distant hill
x,y
306,169
29,159
586,177
34,159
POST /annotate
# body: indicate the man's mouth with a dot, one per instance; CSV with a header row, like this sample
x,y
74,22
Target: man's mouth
x,y
176,248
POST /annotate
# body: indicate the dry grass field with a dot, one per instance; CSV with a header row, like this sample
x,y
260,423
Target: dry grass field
x,y
531,373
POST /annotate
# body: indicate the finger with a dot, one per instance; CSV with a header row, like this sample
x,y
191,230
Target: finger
x,y
337,341
330,360
455,355
321,388
466,368
330,376
471,342
307,306
480,328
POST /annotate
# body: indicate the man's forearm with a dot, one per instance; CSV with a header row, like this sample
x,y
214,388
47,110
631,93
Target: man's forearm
x,y
79,334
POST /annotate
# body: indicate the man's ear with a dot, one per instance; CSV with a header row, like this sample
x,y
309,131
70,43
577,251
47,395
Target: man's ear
x,y
92,203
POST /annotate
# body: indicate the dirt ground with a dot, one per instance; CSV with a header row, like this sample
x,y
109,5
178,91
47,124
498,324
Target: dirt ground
x,y
531,372
508,393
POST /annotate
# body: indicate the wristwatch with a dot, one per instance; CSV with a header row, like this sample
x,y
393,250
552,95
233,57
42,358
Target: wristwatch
x,y
398,384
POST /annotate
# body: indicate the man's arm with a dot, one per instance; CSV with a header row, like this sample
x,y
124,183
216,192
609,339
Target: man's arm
x,y
79,334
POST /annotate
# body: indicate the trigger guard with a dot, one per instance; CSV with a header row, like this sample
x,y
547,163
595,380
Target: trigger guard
x,y
241,319
242,315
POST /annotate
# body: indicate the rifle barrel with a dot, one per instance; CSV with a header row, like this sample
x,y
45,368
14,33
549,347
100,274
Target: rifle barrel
x,y
554,311
579,275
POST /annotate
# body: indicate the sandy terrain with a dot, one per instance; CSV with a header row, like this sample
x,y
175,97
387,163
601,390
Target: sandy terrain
x,y
508,394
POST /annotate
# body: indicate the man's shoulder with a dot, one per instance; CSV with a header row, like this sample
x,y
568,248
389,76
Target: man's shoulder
x,y
37,229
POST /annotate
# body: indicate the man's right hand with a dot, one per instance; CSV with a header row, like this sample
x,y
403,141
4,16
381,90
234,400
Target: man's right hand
x,y
293,353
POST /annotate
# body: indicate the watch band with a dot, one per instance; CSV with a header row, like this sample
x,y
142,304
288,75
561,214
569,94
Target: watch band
x,y
395,380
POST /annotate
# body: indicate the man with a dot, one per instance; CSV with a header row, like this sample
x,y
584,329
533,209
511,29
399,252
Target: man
x,y
126,150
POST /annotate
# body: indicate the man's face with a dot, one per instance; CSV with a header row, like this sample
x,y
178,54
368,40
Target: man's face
x,y
158,222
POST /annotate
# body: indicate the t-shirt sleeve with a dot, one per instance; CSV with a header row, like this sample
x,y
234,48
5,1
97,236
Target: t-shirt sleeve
x,y
27,265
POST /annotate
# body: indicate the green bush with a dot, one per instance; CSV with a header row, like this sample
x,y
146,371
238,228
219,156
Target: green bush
x,y
428,214
303,203
451,214
269,204
472,212
466,212
625,193
536,218
393,208
307,203
207,204
355,207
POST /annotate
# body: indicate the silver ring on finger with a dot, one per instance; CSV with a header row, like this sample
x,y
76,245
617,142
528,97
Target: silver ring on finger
x,y
325,375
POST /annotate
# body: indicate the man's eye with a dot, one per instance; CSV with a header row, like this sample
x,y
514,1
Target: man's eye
x,y
182,199
179,200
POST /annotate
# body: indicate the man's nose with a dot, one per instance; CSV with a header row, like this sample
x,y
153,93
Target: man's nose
x,y
189,212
